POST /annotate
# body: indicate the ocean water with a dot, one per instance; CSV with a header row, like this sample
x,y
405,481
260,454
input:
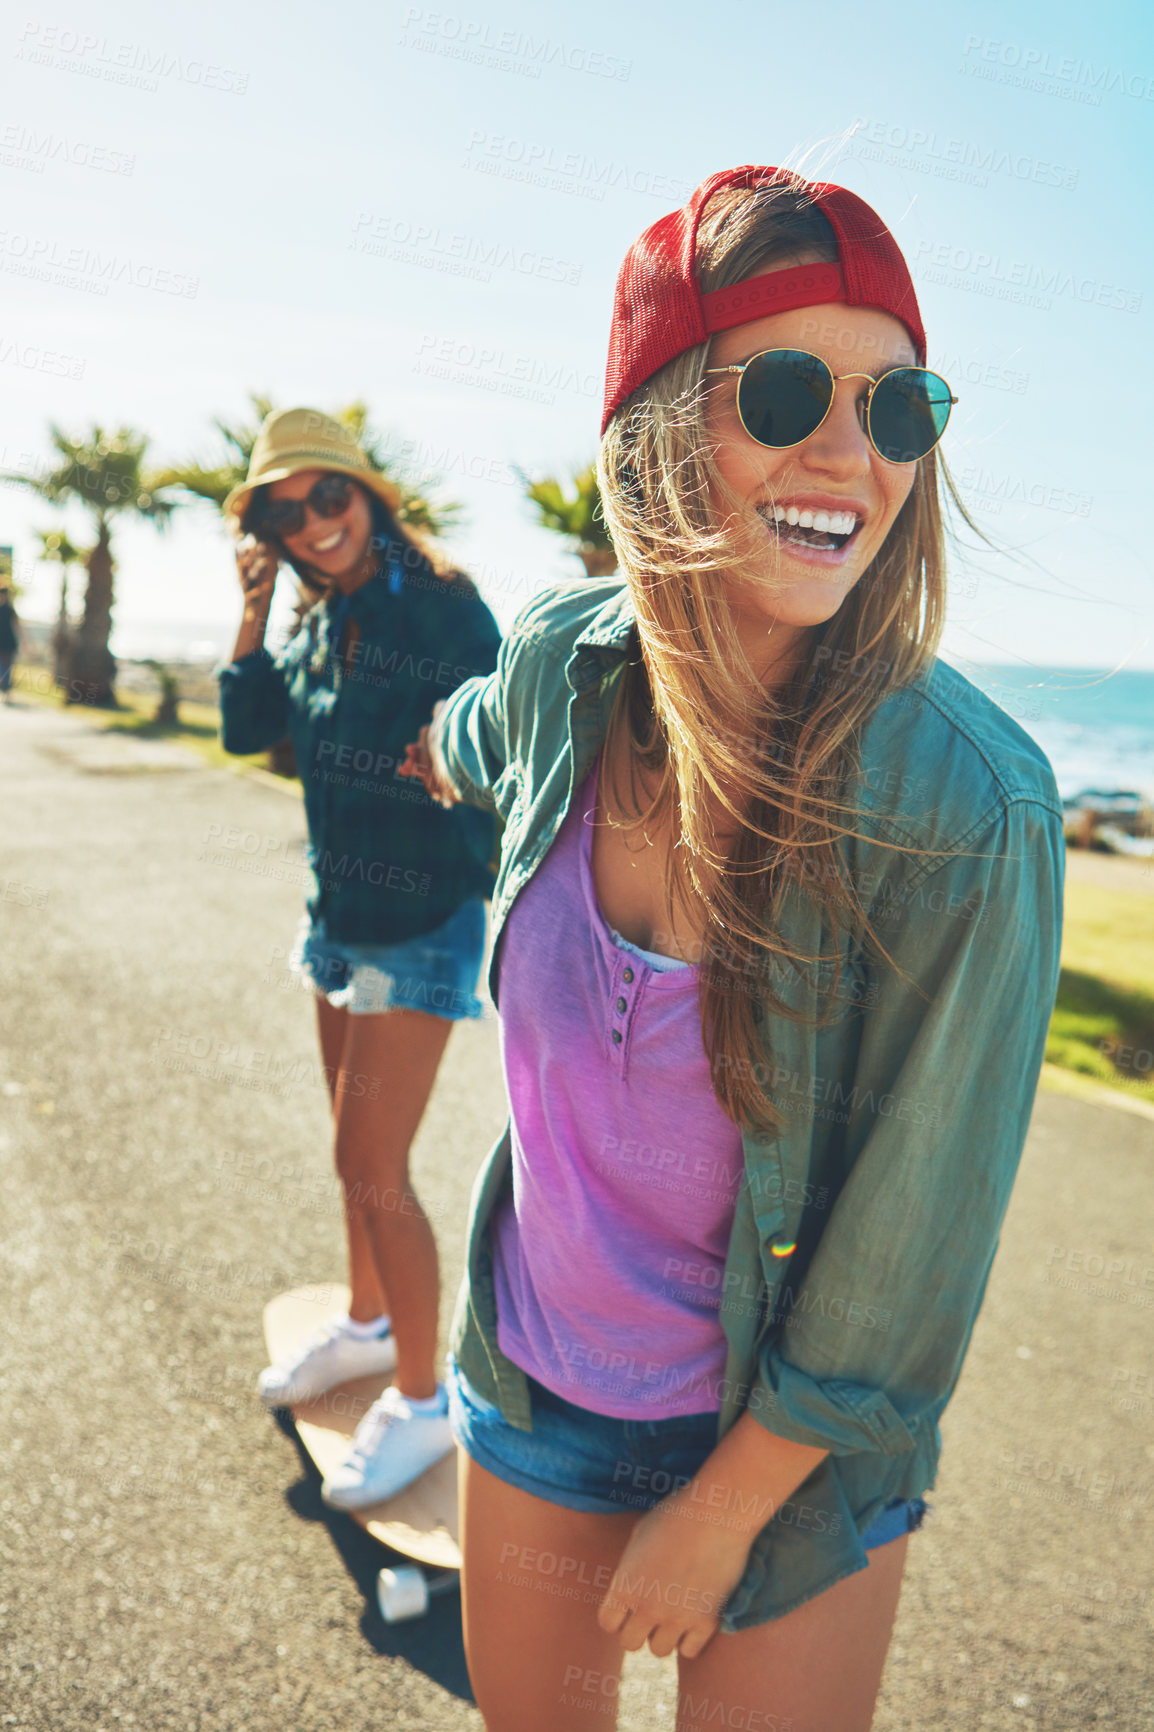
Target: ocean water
x,y
202,640
1096,727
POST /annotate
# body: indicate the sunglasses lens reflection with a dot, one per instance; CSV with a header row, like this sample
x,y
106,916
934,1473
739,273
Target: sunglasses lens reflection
x,y
783,396
908,414
329,497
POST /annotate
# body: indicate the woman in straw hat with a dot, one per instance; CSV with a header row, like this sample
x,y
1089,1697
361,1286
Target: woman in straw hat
x,y
778,923
394,934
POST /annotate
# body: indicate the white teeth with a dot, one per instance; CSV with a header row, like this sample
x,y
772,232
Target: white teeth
x,y
324,546
824,522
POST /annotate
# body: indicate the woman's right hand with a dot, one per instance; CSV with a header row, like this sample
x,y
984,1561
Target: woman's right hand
x,y
424,760
256,565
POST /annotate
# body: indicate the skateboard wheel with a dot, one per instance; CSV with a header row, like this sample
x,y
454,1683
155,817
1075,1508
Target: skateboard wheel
x,y
402,1594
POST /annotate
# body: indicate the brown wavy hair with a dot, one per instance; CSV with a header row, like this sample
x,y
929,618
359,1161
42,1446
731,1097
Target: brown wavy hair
x,y
778,763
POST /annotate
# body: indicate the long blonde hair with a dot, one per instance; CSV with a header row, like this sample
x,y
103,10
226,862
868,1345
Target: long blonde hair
x,y
692,710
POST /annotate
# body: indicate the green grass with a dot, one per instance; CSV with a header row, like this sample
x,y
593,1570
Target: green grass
x,y
1103,1022
198,729
1109,933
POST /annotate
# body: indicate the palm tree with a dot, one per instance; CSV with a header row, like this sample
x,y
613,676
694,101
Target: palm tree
x,y
419,508
56,547
214,481
103,472
579,519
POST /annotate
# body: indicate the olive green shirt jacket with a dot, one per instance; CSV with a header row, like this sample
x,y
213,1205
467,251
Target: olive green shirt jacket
x,y
864,1232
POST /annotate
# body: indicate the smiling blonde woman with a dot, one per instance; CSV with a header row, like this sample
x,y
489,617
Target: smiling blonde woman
x,y
776,936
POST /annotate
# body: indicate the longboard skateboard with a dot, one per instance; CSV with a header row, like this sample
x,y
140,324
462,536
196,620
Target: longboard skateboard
x,y
421,1521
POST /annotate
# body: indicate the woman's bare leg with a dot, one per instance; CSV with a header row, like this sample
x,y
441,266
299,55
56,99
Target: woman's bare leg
x,y
369,1297
818,1669
385,1075
534,1575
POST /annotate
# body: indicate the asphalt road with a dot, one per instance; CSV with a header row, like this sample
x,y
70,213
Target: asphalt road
x,y
165,1560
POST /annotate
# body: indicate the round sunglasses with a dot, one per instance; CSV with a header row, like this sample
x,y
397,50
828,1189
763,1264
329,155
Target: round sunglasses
x,y
784,395
329,496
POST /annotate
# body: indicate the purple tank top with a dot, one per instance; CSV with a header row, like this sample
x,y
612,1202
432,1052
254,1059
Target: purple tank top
x,y
608,1254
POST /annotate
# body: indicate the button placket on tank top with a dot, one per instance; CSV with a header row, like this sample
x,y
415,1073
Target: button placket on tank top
x,y
623,1000
628,975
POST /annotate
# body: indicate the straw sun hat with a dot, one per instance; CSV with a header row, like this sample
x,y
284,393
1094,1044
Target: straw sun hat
x,y
294,439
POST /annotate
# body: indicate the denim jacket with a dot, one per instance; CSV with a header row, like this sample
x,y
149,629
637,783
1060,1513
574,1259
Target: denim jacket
x,y
864,1231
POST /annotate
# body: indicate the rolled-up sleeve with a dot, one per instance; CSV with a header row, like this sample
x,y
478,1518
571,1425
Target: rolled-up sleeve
x,y
469,734
474,733
870,1343
253,704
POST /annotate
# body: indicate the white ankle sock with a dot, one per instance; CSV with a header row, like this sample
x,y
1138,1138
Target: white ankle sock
x,y
367,1331
438,1403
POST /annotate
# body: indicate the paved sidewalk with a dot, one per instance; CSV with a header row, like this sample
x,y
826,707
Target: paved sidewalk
x,y
164,1169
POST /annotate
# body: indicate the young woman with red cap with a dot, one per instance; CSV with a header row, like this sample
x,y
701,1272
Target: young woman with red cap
x,y
776,944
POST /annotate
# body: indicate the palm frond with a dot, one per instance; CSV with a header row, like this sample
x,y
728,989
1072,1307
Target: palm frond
x,y
57,546
102,470
575,514
212,484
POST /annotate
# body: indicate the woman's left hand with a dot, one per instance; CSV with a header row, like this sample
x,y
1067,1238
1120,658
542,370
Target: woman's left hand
x,y
674,1577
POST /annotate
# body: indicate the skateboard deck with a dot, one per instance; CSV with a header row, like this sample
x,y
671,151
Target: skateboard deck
x,y
421,1521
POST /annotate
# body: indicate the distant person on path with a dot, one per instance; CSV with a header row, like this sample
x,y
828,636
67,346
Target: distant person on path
x,y
9,640
394,935
776,938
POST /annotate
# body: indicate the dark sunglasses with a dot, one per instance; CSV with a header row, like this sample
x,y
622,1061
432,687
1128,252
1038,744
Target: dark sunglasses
x,y
784,395
329,496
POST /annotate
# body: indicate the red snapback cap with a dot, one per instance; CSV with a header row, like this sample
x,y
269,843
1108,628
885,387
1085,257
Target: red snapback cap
x,y
659,310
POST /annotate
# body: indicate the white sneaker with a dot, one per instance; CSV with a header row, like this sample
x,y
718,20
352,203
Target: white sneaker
x,y
330,1357
393,1446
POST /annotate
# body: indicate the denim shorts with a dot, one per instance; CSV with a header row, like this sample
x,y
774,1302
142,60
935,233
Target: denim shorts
x,y
437,972
588,1461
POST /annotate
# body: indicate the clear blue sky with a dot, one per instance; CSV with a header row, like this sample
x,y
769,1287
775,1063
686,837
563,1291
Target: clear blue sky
x,y
331,192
